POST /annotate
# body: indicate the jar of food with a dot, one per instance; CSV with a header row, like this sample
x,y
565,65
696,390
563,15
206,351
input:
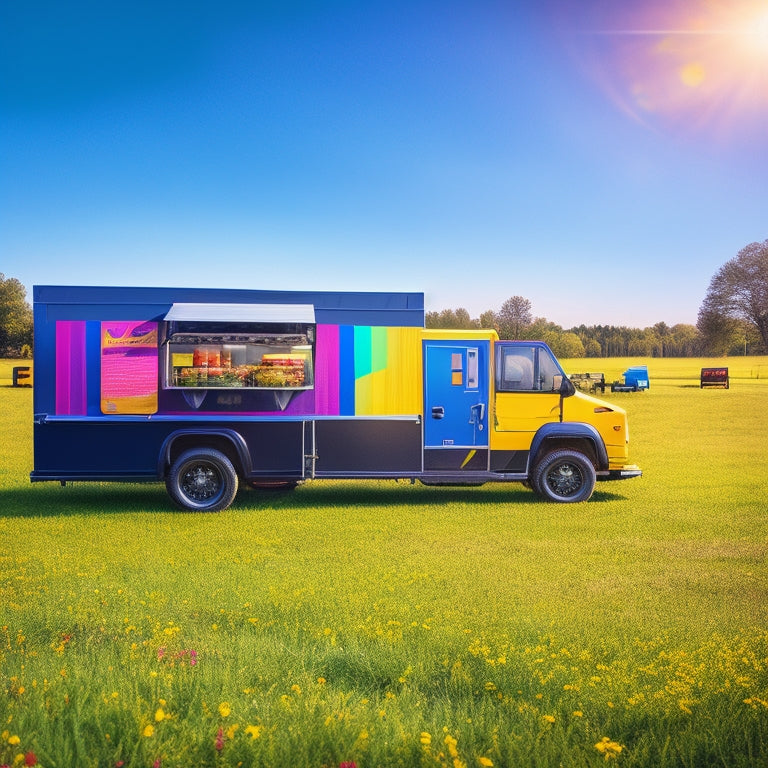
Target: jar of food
x,y
200,357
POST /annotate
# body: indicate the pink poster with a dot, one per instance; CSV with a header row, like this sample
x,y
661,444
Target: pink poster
x,y
129,373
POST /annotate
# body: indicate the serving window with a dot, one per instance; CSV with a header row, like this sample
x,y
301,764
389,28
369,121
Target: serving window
x,y
253,360
239,346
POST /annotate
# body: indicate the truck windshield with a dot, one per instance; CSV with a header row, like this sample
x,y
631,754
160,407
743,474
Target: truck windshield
x,y
525,368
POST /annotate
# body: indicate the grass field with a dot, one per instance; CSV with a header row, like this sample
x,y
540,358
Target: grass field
x,y
389,624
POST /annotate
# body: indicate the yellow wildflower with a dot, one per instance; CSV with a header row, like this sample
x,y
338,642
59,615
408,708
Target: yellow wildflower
x,y
224,709
149,731
14,740
609,749
548,718
160,715
425,738
254,731
486,762
296,689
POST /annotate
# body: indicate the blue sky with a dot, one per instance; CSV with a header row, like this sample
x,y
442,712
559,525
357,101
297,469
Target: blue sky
x,y
601,159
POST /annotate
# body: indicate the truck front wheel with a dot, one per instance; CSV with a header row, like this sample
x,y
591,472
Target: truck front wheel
x,y
564,476
203,480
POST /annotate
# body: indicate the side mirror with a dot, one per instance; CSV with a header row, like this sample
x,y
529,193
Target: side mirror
x,y
567,389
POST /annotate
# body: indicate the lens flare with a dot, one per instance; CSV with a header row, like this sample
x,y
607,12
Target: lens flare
x,y
695,66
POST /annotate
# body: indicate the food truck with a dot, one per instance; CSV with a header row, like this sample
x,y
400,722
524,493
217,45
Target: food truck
x,y
208,389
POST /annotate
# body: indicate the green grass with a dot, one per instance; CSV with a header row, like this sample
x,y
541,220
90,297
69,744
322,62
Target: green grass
x,y
390,624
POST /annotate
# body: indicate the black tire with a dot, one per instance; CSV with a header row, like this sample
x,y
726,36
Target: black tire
x,y
202,480
564,476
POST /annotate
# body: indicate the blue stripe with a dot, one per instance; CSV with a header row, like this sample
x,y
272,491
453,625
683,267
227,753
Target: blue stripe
x,y
93,366
347,370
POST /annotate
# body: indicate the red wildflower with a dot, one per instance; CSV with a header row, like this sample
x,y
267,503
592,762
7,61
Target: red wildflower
x,y
30,759
350,764
157,763
189,652
220,740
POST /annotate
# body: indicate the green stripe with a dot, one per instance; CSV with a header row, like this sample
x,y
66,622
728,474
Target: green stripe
x,y
363,342
378,349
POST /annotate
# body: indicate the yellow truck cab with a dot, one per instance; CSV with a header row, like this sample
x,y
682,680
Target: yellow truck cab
x,y
541,430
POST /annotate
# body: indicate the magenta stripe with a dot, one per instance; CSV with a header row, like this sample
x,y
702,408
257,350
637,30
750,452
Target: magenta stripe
x,y
71,393
327,371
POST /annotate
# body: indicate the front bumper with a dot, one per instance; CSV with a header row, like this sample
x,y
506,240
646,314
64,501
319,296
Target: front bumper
x,y
625,473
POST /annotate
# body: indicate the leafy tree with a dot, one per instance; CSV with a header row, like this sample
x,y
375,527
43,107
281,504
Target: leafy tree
x,y
720,333
737,292
15,317
644,344
566,344
538,329
684,341
592,348
514,317
450,318
488,319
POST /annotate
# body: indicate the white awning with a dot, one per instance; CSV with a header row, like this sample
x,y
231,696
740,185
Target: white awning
x,y
242,313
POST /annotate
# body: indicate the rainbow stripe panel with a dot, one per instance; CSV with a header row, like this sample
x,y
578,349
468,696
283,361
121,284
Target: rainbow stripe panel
x,y
359,371
368,371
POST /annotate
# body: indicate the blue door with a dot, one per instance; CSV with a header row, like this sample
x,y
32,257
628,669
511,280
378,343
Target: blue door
x,y
456,394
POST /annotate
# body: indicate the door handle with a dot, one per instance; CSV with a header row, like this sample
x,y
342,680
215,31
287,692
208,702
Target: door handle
x,y
478,413
438,412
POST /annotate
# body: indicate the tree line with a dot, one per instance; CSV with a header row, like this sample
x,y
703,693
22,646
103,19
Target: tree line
x,y
659,340
733,320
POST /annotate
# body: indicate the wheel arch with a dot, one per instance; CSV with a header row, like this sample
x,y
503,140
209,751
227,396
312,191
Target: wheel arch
x,y
230,442
571,435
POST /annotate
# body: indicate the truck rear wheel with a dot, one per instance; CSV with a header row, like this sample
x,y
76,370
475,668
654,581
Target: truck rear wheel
x,y
564,476
203,480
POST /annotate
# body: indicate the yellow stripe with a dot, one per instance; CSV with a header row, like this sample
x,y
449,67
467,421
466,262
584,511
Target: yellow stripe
x,y
470,456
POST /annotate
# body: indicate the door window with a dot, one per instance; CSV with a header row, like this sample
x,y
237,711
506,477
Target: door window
x,y
521,368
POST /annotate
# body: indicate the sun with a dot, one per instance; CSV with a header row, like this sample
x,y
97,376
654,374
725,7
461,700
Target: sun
x,y
693,64
757,33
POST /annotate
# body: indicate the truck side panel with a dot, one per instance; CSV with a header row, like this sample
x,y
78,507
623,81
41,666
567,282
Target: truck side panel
x,y
369,447
104,449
